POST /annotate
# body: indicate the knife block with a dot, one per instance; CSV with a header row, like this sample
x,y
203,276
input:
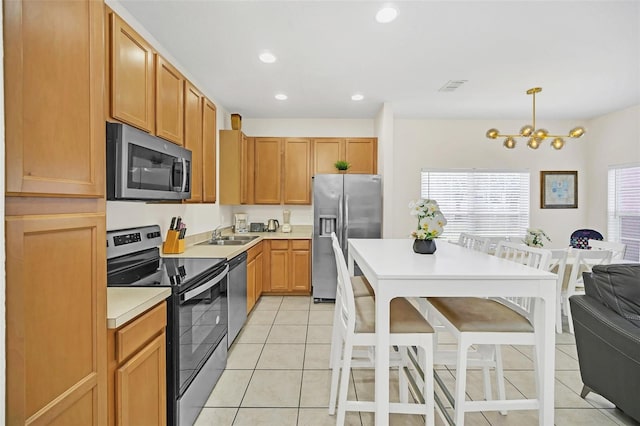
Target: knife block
x,y
173,245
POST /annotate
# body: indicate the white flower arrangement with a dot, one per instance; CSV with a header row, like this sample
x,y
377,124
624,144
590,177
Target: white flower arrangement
x,y
534,237
431,221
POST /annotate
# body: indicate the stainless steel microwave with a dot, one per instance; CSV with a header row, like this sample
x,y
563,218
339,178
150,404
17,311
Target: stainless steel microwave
x,y
144,167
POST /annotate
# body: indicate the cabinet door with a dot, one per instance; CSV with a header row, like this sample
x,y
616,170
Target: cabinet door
x,y
251,284
268,166
169,102
300,266
259,272
297,171
54,106
362,154
247,171
209,132
131,76
279,276
326,152
193,100
138,402
56,301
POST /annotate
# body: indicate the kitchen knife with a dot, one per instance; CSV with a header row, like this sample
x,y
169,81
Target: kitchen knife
x,y
183,231
173,223
178,222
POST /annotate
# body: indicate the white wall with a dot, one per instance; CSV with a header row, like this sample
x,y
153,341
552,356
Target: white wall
x,y
462,144
616,141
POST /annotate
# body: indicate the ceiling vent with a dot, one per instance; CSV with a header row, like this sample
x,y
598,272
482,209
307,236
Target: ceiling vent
x,y
452,85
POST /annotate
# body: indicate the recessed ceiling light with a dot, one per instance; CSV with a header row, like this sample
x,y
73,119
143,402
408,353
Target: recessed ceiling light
x,y
357,97
267,57
281,97
386,14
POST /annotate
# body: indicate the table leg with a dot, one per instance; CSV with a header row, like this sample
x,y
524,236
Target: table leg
x,y
382,357
545,354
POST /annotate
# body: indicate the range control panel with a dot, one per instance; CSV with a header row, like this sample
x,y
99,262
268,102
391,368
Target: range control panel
x,y
131,240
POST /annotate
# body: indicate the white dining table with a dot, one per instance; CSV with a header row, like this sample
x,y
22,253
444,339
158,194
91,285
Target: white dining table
x,y
394,270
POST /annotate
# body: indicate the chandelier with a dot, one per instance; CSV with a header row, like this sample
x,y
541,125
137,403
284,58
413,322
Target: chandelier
x,y
536,136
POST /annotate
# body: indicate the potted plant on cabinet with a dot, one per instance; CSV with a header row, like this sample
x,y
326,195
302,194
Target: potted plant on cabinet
x,y
342,166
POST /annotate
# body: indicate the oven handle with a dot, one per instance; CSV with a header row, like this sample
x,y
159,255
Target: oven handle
x,y
206,286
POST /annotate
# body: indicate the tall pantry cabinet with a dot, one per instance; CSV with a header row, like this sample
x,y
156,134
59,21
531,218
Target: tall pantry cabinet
x,y
55,212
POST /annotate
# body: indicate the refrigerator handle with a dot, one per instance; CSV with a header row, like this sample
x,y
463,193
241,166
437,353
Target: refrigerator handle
x,y
340,222
346,220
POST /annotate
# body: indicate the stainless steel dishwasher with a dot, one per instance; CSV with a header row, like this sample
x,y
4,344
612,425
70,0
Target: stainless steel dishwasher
x,y
237,295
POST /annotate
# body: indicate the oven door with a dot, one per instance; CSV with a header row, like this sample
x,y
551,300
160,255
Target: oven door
x,y
200,343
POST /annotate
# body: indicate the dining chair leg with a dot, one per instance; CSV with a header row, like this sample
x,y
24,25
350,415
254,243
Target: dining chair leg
x,y
569,316
344,380
500,377
558,309
403,382
428,390
461,382
486,378
336,350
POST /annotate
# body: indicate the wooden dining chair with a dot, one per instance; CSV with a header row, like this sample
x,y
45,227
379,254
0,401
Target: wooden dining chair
x,y
474,242
617,249
495,321
557,265
356,327
583,261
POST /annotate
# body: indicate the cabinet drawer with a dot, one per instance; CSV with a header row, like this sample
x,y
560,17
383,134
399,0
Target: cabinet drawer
x,y
300,244
279,244
138,332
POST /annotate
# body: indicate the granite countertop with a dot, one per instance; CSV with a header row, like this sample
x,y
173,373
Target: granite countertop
x,y
126,303
193,249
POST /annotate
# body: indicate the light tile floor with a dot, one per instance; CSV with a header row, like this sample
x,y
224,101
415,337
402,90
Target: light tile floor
x,y
278,375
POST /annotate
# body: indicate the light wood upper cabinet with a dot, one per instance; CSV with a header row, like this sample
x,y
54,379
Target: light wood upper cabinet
x,y
209,133
132,76
361,153
56,318
297,171
169,102
193,115
326,152
236,167
54,110
268,169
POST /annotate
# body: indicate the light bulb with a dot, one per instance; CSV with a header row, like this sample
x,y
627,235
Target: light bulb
x,y
533,143
577,132
527,130
557,143
492,133
509,143
541,134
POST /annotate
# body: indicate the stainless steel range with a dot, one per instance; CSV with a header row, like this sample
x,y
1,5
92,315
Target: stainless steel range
x,y
197,322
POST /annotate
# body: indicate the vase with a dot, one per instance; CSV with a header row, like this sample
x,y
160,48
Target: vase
x,y
424,246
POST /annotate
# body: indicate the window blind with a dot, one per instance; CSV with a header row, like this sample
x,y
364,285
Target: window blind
x,y
481,202
623,208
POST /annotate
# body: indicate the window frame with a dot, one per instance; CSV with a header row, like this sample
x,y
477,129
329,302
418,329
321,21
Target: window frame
x,y
616,230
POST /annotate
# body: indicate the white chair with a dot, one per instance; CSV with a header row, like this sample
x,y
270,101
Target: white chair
x,y
499,321
617,249
583,261
356,327
474,242
557,265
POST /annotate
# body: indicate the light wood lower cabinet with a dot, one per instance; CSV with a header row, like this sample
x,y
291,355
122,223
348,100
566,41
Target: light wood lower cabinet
x,y
137,370
254,275
56,313
288,266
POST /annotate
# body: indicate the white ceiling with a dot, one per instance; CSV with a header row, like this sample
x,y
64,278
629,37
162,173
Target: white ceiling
x,y
584,54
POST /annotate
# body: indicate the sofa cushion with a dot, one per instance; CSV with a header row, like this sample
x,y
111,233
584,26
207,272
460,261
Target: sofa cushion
x,y
617,286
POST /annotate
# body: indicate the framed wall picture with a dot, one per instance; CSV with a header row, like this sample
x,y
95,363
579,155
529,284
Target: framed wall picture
x,y
559,189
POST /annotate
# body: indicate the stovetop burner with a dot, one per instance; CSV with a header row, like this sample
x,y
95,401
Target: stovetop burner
x,y
133,259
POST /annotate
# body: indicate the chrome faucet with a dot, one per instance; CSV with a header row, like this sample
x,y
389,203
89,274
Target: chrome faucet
x,y
217,233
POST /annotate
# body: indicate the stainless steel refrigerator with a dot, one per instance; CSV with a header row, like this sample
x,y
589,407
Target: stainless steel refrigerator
x,y
350,206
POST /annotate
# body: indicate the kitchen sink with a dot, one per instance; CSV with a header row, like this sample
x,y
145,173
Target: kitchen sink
x,y
230,240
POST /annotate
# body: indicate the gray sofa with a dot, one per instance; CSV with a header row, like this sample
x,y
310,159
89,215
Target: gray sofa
x,y
607,329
